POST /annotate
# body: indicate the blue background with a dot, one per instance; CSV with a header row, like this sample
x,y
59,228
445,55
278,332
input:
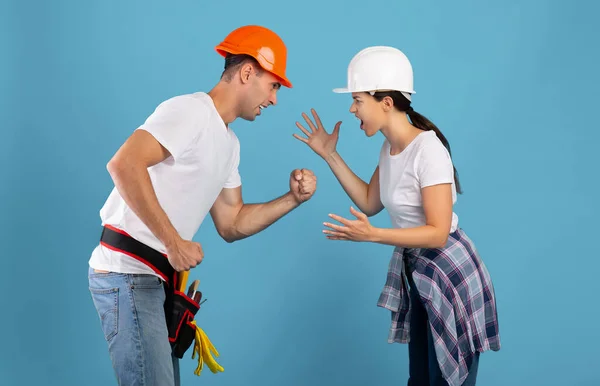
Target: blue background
x,y
511,84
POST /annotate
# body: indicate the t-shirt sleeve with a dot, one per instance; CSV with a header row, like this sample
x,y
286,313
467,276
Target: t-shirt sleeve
x,y
234,179
174,124
434,165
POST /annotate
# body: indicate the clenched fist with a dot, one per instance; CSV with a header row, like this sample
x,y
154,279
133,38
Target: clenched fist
x,y
303,184
184,255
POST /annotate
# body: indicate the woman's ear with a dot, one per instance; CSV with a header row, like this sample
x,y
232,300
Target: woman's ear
x,y
387,103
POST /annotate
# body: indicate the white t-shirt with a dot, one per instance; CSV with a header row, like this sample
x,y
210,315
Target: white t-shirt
x,y
424,162
204,159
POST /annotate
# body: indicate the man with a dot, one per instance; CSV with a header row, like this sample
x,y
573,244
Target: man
x,y
177,167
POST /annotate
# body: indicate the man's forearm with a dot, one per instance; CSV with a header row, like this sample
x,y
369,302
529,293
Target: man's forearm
x,y
134,185
253,218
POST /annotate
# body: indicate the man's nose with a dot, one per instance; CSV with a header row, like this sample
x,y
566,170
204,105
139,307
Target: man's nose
x,y
273,99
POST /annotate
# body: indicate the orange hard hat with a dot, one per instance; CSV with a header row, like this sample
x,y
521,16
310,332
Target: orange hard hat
x,y
262,44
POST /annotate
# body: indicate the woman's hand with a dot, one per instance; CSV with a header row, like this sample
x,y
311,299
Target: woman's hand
x,y
351,230
318,139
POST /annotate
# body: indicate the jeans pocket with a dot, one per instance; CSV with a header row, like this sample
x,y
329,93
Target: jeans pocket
x,y
106,301
143,281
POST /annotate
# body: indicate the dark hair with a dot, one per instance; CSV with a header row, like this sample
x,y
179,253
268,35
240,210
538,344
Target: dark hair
x,y
233,62
403,104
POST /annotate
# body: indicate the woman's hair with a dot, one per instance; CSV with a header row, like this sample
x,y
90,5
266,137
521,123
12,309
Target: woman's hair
x,y
403,104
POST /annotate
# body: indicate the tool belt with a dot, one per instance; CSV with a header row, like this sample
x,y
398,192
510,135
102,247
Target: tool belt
x,y
180,309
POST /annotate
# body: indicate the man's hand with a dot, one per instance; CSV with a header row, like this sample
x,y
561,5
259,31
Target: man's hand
x,y
303,184
184,255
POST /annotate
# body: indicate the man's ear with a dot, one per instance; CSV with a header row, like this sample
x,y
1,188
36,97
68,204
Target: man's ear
x,y
245,72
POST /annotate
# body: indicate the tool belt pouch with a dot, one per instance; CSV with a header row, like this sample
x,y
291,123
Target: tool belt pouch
x,y
180,313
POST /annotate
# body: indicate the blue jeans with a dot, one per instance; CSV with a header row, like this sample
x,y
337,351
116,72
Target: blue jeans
x,y
130,308
423,367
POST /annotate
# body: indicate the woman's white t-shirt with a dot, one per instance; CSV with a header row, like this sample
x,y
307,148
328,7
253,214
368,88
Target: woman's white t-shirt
x,y
424,162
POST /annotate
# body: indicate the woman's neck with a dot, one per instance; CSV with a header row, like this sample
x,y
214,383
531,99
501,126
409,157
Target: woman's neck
x,y
400,133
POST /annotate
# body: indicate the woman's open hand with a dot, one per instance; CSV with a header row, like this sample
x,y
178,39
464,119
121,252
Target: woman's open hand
x,y
321,142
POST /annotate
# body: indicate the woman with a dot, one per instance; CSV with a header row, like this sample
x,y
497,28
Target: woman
x,y
438,289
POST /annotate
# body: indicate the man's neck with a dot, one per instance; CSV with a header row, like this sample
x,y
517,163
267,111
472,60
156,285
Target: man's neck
x,y
224,98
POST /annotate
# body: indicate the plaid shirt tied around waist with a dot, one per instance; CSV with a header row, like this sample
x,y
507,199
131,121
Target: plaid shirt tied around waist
x,y
457,292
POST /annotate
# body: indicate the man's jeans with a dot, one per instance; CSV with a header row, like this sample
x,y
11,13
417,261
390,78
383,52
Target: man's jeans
x,y
130,308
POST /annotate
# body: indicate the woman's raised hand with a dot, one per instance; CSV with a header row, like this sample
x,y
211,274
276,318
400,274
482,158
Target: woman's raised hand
x,y
321,142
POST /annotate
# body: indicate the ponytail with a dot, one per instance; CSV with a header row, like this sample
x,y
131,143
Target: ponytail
x,y
420,121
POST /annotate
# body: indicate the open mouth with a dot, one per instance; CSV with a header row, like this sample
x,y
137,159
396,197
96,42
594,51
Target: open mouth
x,y
361,122
261,108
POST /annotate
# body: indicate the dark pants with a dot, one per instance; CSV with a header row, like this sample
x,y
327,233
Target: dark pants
x,y
424,369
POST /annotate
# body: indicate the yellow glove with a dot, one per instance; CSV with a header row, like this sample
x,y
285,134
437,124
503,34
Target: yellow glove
x,y
203,347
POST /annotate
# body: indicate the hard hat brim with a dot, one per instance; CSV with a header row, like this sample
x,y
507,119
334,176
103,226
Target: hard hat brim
x,y
345,90
341,90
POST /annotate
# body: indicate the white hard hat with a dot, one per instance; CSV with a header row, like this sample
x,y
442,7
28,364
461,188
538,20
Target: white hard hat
x,y
379,68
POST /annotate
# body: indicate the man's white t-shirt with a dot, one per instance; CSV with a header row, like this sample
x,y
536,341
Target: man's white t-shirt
x,y
424,162
204,159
